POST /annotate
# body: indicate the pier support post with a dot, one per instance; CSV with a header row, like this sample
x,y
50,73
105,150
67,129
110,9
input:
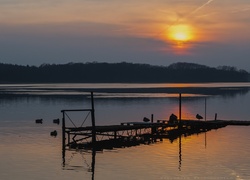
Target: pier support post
x,y
152,118
205,109
63,130
93,119
115,134
63,139
180,122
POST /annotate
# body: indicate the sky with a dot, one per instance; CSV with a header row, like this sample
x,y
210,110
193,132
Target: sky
x,y
159,32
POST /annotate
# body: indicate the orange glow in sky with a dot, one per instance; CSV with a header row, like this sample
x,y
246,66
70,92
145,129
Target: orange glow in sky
x,y
182,33
180,36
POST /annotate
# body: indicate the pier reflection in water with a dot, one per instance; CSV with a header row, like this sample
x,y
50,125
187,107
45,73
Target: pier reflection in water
x,y
88,157
186,156
90,164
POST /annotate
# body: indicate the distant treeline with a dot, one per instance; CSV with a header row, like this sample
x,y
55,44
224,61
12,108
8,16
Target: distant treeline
x,y
119,73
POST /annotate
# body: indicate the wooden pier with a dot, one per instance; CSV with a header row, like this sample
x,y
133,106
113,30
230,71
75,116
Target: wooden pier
x,y
129,134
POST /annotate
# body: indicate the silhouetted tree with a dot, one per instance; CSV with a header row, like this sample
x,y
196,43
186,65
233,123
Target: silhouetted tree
x,y
93,72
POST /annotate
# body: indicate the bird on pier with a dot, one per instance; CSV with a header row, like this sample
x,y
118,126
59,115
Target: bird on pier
x,y
172,119
199,117
146,119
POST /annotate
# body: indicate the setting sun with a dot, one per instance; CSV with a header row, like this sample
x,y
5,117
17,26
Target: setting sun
x,y
180,33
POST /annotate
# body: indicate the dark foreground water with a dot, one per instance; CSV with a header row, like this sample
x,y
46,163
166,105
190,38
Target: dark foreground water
x,y
27,151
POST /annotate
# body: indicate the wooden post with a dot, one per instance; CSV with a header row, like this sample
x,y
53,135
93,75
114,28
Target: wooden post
x,y
115,134
63,139
205,109
153,129
180,123
63,130
93,119
215,116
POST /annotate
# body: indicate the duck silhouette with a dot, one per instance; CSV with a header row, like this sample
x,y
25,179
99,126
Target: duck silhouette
x,y
199,117
56,121
53,133
39,121
146,119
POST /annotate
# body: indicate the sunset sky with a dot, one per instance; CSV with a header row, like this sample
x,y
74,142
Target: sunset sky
x,y
159,32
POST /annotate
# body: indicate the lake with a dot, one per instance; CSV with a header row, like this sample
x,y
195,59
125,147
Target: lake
x,y
27,151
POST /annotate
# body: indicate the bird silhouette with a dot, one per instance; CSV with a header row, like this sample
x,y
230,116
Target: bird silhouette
x,y
56,121
53,133
39,121
199,117
146,119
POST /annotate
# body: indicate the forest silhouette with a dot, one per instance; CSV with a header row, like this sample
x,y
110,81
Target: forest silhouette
x,y
94,72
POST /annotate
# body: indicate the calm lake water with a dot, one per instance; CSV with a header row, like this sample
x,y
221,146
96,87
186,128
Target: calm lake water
x,y
27,151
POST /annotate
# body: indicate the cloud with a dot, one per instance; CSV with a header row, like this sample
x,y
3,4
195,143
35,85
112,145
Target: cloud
x,y
59,29
36,44
201,7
